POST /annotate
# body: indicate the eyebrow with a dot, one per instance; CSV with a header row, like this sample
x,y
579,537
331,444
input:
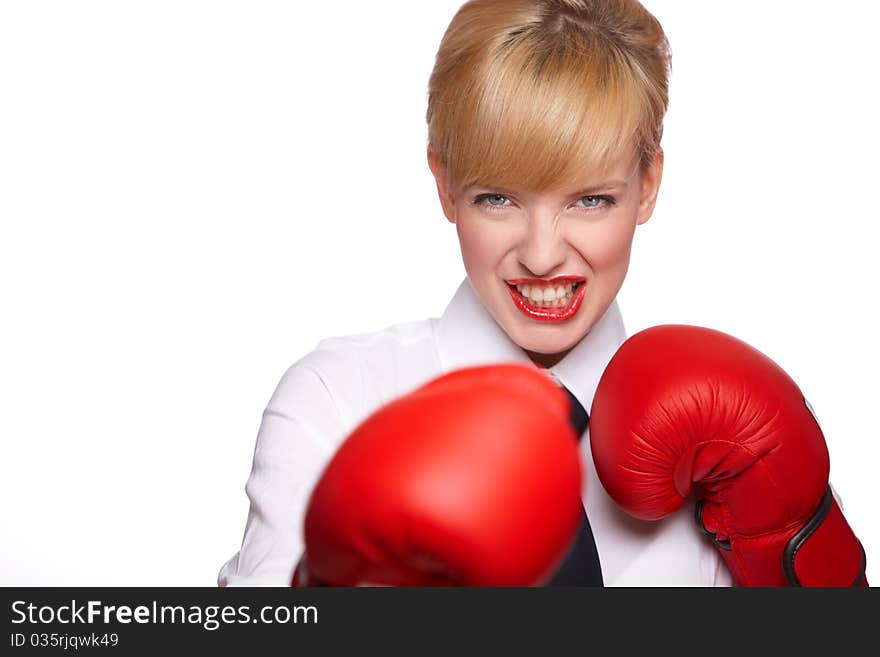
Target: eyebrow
x,y
603,186
585,191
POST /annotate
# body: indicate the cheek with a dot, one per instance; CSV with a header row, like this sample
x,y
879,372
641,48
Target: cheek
x,y
482,245
607,248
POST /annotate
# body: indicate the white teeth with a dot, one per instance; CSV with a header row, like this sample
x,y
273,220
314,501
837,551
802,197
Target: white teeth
x,y
548,297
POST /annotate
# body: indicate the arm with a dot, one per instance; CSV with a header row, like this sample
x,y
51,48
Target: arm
x,y
298,433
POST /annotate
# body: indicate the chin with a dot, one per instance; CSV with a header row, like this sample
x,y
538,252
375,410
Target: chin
x,y
549,345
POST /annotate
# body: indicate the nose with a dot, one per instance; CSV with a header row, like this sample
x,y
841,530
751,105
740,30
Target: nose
x,y
543,248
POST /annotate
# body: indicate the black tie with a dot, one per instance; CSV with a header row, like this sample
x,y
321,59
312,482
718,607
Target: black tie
x,y
581,566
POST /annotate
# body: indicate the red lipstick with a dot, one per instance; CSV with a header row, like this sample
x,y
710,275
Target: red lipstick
x,y
554,315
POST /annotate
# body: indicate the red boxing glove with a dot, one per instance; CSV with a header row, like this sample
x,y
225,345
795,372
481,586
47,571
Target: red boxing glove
x,y
473,479
682,409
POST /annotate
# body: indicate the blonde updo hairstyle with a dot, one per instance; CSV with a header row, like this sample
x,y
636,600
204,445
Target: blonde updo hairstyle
x,y
536,93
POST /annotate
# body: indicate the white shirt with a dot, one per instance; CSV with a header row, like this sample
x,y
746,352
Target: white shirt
x,y
327,393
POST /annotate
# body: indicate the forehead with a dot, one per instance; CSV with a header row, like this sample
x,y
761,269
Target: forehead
x,y
619,173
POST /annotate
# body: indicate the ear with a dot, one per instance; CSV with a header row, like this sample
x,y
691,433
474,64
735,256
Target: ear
x,y
651,178
447,198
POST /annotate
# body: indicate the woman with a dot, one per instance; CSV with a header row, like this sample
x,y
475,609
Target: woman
x,y
544,127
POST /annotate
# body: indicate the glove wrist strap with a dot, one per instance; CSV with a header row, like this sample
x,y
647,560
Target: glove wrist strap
x,y
825,552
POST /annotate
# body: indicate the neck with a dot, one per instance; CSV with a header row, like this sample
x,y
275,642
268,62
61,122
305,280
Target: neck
x,y
546,360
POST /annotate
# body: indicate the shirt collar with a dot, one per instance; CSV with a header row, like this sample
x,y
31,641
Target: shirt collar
x,y
583,366
468,336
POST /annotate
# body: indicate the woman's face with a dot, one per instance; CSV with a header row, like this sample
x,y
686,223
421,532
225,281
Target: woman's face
x,y
548,264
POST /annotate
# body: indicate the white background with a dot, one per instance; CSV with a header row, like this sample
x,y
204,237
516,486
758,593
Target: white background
x,y
192,194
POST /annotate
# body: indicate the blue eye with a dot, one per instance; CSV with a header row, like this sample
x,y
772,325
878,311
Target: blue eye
x,y
491,201
595,201
499,201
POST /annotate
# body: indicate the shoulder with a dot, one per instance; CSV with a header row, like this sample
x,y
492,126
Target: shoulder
x,y
358,372
391,340
403,345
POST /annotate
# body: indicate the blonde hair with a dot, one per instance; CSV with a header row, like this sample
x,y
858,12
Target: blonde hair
x,y
535,93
